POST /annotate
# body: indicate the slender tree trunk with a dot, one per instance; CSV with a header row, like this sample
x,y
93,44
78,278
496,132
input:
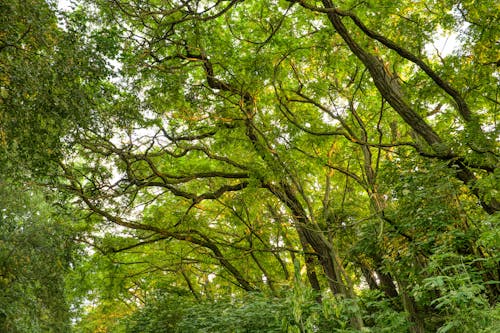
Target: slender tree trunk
x,y
190,285
411,308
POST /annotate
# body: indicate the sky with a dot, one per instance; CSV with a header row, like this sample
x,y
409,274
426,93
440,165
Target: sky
x,y
64,4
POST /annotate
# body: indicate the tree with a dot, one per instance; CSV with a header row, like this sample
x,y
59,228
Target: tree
x,y
273,131
51,82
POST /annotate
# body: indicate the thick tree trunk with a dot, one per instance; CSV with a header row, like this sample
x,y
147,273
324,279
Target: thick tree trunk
x,y
310,263
387,285
390,89
386,83
338,279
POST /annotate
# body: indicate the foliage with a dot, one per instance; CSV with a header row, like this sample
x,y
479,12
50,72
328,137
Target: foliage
x,y
52,84
35,251
324,166
261,313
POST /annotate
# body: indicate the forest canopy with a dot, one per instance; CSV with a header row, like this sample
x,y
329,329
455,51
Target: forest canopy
x,y
249,166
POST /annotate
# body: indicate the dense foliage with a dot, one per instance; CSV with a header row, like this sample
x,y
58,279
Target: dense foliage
x,y
35,252
258,166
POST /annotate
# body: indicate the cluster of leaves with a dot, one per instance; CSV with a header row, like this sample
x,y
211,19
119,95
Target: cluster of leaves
x,y
52,83
35,251
258,313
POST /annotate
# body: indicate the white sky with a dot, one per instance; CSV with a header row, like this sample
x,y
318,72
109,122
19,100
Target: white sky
x,y
64,5
443,45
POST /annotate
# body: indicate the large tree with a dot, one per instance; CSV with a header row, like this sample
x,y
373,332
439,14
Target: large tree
x,y
275,131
